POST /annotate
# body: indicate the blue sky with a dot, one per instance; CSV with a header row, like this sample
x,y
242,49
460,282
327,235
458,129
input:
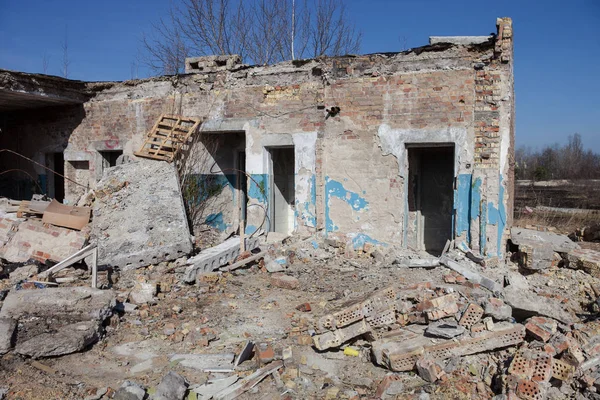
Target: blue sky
x,y
557,47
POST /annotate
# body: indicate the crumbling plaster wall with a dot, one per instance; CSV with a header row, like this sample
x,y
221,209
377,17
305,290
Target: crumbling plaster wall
x,y
350,167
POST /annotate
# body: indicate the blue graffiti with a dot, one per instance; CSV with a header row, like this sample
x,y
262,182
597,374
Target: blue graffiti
x,y
216,221
334,188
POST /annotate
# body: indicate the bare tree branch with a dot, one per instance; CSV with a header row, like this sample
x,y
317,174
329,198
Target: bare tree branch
x,y
66,62
260,31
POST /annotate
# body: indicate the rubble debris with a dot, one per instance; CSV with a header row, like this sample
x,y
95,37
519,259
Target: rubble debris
x,y
498,309
212,258
143,293
8,327
66,216
471,316
445,329
130,391
65,340
139,218
537,239
417,263
541,328
429,369
470,274
587,234
537,258
214,386
172,387
248,382
526,304
204,362
75,316
585,259
30,239
284,281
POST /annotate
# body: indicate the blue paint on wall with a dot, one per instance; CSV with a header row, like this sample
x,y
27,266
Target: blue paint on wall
x,y
216,221
250,229
482,228
204,186
334,188
462,204
358,241
258,187
497,216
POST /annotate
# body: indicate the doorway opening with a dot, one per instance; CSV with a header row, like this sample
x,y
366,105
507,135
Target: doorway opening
x,y
430,196
56,182
283,195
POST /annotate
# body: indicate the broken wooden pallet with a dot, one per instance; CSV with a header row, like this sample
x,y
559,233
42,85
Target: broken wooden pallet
x,y
167,137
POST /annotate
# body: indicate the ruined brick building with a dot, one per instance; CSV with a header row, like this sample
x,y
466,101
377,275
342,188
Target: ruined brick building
x,y
409,148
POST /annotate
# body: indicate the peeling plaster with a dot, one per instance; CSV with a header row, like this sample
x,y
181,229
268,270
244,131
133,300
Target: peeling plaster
x,y
335,189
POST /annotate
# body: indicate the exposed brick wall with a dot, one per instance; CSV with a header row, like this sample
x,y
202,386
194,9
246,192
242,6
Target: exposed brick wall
x,y
430,89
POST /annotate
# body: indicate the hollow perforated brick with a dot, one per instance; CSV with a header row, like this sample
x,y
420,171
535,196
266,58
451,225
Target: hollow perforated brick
x,y
561,370
528,390
471,316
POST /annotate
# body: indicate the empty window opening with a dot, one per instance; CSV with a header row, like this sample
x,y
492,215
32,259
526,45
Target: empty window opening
x,y
109,157
283,193
430,197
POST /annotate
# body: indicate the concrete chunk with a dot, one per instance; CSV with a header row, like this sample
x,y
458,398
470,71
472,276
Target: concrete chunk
x,y
8,328
70,303
470,274
68,339
202,362
446,330
526,304
139,217
533,238
172,387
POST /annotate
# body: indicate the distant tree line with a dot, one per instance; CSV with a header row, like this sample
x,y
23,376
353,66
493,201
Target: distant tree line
x,y
570,161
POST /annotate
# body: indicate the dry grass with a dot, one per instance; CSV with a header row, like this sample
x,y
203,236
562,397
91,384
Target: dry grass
x,y
564,222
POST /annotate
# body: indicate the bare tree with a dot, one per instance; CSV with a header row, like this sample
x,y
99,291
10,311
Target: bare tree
x,y
66,62
45,63
260,31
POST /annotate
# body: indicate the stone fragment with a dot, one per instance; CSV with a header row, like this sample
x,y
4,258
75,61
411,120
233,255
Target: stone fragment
x,y
498,309
536,258
8,327
71,303
541,328
429,369
142,293
214,386
471,274
284,281
202,362
446,330
66,340
172,387
439,307
130,391
304,307
550,240
526,304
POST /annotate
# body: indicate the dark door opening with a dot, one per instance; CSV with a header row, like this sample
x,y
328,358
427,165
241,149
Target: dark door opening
x,y
283,193
59,181
242,185
431,195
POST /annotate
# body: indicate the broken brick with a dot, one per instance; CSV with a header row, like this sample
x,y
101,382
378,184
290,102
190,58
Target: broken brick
x,y
471,316
429,369
284,281
541,328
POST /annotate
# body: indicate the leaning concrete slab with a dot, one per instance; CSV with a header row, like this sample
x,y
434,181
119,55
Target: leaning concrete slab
x,y
8,327
526,304
139,217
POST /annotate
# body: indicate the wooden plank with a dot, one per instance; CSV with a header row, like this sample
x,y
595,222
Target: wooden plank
x,y
164,144
244,261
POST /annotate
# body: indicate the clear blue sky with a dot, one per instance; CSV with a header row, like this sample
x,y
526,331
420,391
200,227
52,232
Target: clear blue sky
x,y
557,47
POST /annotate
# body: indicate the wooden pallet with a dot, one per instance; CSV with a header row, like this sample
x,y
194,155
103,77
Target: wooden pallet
x,y
168,136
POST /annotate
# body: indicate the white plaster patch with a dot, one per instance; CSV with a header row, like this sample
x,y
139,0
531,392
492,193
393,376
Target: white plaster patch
x,y
394,141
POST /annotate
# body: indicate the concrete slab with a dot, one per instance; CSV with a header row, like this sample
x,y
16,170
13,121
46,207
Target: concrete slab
x,y
533,238
139,216
462,40
212,258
